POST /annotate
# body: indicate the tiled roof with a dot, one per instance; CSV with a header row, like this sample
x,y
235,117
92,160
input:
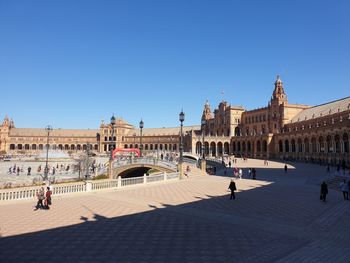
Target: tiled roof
x,y
323,109
163,131
53,133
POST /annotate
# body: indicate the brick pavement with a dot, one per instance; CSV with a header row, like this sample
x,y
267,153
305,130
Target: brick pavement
x,y
275,219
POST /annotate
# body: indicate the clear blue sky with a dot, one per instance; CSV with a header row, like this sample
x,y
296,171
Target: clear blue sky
x,y
72,63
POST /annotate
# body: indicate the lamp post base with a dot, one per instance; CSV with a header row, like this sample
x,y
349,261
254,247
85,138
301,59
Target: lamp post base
x,y
110,170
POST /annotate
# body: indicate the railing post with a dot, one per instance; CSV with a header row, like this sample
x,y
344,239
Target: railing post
x,y
145,178
88,186
119,181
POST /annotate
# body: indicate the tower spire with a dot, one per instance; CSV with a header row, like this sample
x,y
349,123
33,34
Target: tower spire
x,y
278,92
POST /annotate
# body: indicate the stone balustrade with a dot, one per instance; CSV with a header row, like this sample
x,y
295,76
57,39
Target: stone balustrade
x,y
86,186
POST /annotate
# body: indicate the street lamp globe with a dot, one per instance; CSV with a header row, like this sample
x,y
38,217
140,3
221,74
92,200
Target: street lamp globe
x,y
141,124
48,128
182,116
113,120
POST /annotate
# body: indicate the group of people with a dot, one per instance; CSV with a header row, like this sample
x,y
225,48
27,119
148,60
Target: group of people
x,y
343,186
44,198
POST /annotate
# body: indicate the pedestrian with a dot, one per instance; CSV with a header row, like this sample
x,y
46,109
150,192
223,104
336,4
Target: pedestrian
x,y
344,188
254,173
229,164
232,187
48,200
41,196
324,191
18,170
29,170
240,173
285,168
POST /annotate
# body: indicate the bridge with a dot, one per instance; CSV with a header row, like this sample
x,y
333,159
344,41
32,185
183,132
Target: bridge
x,y
142,165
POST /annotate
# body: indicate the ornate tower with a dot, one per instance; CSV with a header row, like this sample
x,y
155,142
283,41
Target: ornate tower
x,y
207,115
5,132
278,93
276,107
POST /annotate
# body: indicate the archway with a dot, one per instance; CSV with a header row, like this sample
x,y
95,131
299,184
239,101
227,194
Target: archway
x,y
286,146
280,146
220,149
293,145
213,149
198,148
258,146
264,146
226,148
346,142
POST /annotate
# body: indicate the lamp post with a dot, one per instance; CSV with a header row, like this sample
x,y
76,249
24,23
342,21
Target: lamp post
x,y
141,127
111,147
203,130
48,129
203,163
182,119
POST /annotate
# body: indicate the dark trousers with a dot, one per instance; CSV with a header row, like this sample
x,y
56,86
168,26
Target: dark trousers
x,y
346,195
323,197
39,204
232,195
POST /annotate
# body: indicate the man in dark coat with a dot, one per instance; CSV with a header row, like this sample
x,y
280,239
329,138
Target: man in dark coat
x,y
324,191
232,187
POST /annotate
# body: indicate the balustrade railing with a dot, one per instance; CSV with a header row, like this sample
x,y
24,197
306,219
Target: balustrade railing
x,y
76,187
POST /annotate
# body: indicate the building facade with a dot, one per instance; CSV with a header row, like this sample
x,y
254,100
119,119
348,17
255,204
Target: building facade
x,y
278,130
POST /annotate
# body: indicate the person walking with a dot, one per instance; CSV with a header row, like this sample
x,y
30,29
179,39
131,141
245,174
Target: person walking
x,y
41,196
324,191
254,173
344,188
48,198
232,187
29,170
240,173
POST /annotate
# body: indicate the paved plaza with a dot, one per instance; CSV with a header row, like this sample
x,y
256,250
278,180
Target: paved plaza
x,y
276,218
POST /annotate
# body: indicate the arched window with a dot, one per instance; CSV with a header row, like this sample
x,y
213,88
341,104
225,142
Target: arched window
x,y
12,147
146,147
26,147
125,146
151,147
19,147
96,147
60,146
41,147
243,146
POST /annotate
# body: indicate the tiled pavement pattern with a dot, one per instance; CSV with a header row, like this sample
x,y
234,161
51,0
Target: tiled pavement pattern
x,y
277,218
